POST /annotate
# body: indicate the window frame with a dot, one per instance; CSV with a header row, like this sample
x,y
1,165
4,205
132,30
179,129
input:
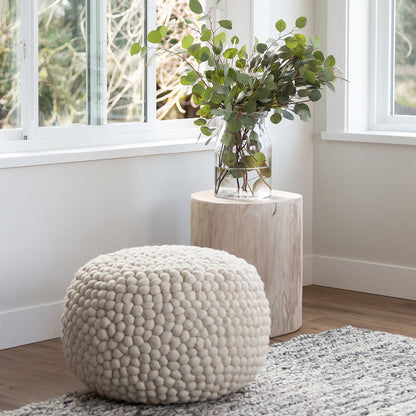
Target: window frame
x,y
38,138
353,30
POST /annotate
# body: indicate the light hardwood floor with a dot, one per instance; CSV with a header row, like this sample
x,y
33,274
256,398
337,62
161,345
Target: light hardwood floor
x,y
38,371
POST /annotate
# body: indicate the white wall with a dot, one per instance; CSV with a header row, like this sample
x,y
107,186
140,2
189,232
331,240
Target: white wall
x,y
53,218
292,140
364,211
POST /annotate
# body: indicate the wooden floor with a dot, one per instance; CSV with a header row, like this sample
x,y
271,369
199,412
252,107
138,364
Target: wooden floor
x,y
38,371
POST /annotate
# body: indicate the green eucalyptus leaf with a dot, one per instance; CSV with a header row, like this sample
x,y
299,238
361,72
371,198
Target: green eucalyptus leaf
x,y
315,95
248,121
195,6
189,78
235,125
135,48
206,35
261,47
250,107
230,53
303,93
301,39
286,114
276,118
281,25
190,21
240,63
154,36
187,41
301,22
309,76
260,158
330,86
243,78
291,42
204,111
302,110
200,122
163,30
204,54
217,48
229,158
221,37
198,89
229,139
226,24
206,131
329,61
218,112
319,56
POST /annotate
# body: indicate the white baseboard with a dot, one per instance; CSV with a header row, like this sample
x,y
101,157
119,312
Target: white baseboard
x,y
308,270
24,326
364,276
43,322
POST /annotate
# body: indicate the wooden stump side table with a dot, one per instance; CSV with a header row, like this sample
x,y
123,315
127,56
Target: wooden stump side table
x,y
266,233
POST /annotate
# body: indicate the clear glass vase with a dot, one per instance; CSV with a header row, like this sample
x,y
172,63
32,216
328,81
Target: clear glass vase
x,y
243,156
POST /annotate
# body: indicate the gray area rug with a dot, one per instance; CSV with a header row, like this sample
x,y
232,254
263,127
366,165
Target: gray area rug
x,y
345,371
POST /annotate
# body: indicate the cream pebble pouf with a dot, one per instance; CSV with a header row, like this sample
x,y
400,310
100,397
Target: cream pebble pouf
x,y
166,324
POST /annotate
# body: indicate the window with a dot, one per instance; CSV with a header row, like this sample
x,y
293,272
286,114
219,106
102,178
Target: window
x,y
66,69
375,45
394,65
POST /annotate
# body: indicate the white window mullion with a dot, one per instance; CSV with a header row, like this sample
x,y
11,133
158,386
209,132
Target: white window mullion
x,y
29,68
96,62
150,71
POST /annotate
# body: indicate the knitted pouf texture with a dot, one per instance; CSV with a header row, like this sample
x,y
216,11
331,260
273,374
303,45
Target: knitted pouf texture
x,y
166,324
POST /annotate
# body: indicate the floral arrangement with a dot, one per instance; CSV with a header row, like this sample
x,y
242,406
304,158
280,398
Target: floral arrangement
x,y
280,76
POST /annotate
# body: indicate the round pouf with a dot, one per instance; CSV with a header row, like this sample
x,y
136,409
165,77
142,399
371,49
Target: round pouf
x,y
166,324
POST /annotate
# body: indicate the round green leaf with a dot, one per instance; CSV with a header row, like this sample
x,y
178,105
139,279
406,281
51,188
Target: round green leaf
x,y
301,22
195,6
135,48
226,24
261,47
154,36
300,39
291,42
250,107
206,131
319,56
276,118
235,40
309,76
315,95
288,115
329,61
221,37
187,41
200,122
206,35
280,25
162,30
235,125
230,53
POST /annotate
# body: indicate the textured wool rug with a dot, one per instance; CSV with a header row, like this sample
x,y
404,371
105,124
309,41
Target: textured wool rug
x,y
345,371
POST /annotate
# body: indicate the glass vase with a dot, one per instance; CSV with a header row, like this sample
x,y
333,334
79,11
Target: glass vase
x,y
243,156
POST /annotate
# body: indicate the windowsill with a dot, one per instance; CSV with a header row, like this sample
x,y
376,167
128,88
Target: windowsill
x,y
32,156
380,137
